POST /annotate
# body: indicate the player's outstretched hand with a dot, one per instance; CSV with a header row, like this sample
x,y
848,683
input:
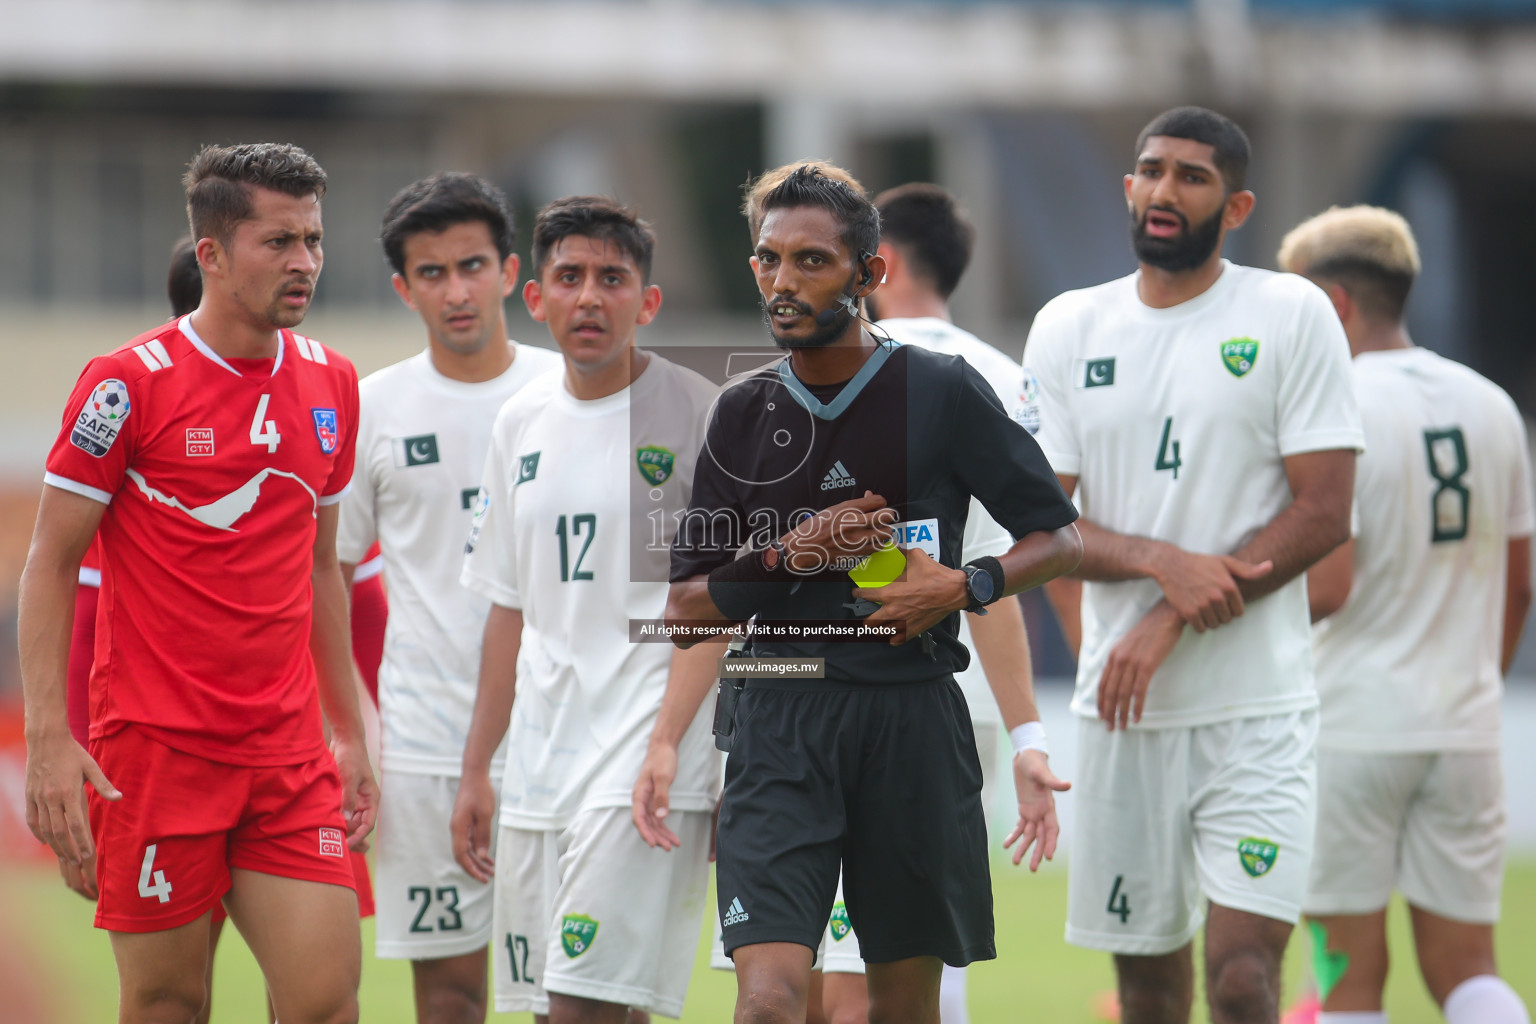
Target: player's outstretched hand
x,y
57,771
1203,589
858,526
651,800
359,792
919,599
474,811
1132,661
80,878
1037,787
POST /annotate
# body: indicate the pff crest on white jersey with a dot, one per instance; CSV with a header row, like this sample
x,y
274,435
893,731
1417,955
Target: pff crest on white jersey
x,y
1176,423
422,439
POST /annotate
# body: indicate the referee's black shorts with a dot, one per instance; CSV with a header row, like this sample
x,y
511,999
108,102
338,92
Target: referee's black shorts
x,y
880,780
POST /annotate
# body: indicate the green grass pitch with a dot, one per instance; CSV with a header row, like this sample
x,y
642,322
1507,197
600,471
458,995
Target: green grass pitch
x,y
1037,976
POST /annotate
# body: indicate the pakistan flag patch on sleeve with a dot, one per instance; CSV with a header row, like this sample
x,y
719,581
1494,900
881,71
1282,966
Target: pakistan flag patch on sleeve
x,y
577,933
527,467
1258,855
839,923
1239,355
655,464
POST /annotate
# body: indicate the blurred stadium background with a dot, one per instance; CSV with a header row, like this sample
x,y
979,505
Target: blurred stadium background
x,y
1026,109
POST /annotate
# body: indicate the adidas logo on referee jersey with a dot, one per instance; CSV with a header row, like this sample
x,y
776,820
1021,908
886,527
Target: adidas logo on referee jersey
x,y
838,476
734,914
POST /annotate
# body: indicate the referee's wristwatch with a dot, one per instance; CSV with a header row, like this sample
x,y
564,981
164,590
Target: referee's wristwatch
x,y
979,588
983,583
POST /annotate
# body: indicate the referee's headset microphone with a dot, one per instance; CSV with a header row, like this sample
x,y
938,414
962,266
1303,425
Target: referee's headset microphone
x,y
849,299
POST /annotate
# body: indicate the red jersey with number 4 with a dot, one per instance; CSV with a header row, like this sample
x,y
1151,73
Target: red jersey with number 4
x,y
213,471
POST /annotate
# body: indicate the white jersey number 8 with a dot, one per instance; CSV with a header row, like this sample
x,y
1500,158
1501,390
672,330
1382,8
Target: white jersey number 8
x,y
1451,503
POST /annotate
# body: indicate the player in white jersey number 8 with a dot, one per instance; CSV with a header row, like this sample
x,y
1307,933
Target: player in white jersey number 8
x,y
1421,616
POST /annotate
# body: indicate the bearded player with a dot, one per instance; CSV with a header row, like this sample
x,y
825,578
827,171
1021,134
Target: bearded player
x,y
1204,415
1424,612
211,453
425,427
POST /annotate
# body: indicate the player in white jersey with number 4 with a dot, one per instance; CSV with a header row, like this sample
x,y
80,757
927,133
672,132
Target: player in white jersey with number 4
x,y
1203,412
1425,608
423,433
586,475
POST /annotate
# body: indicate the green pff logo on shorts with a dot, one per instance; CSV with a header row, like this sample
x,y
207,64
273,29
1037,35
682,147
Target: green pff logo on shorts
x,y
1258,855
655,463
1239,355
839,923
577,933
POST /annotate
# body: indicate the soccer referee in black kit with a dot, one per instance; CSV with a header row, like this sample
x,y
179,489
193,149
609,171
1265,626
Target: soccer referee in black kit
x,y
814,465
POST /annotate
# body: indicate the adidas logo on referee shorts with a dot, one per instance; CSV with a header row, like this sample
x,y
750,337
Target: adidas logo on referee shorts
x,y
734,914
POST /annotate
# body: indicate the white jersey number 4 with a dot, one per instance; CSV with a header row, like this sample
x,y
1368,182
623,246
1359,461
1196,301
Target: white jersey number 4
x,y
161,889
264,433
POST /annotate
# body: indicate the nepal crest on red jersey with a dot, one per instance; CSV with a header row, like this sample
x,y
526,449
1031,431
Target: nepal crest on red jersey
x,y
325,429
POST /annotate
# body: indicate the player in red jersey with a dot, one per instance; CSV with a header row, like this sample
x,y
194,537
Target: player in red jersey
x,y
210,453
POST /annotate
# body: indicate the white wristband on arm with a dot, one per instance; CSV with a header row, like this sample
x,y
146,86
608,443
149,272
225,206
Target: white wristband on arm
x,y
1029,736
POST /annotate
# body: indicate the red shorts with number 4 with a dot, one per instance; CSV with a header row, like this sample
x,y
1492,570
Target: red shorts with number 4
x,y
165,850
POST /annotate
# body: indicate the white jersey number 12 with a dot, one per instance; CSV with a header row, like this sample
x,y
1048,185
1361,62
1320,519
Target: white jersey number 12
x,y
264,433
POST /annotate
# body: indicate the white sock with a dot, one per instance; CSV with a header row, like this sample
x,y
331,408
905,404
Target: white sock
x,y
1485,999
952,1008
1353,1017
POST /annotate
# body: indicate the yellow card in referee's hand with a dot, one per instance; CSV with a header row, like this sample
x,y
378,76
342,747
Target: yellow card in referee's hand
x,y
880,568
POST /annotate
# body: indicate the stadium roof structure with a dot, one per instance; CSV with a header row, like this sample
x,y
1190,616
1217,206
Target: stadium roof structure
x,y
1358,56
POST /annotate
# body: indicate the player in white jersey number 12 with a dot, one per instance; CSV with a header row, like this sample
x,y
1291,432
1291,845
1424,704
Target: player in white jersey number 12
x,y
1203,413
1425,608
423,431
592,925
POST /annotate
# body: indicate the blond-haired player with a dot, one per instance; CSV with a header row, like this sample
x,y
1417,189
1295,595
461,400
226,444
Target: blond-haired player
x,y
1425,607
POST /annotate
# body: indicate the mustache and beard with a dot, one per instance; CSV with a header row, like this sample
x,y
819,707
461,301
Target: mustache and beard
x,y
824,334
821,337
1185,251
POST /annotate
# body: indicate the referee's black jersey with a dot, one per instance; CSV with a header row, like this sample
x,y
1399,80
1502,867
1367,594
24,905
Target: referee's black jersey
x,y
924,431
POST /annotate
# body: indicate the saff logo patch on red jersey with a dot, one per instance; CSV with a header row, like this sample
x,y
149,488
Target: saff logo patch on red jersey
x,y
325,429
333,843
101,418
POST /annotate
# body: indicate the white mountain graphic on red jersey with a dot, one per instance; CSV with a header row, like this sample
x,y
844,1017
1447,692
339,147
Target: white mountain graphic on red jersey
x,y
222,513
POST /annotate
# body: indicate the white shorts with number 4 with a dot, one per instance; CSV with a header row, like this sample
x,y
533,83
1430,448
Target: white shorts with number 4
x,y
591,911
1165,816
428,907
1428,824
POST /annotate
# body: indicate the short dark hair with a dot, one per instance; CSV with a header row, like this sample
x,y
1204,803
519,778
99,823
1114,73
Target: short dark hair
x,y
756,188
184,279
220,178
437,203
598,217
1219,132
932,231
807,185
